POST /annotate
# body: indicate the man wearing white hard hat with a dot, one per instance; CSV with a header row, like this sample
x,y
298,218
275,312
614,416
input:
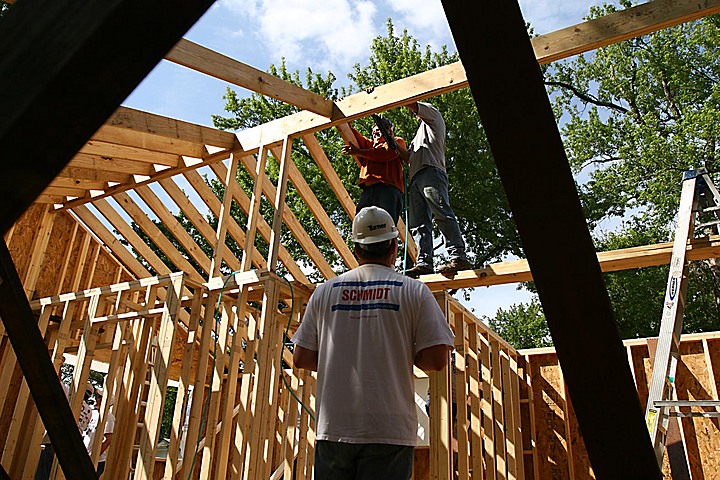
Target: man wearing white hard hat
x,y
362,332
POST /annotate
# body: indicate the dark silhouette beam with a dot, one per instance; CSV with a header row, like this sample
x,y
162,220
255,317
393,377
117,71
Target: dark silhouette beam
x,y
67,67
507,85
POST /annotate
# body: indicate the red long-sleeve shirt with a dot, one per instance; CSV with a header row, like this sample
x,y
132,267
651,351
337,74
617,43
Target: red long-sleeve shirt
x,y
381,165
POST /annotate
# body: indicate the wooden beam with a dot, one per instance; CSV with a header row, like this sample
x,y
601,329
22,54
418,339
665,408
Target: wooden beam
x,y
120,135
154,177
584,37
117,165
173,225
624,259
131,237
83,174
202,59
178,131
565,267
219,246
214,204
156,236
243,201
111,150
640,20
57,80
285,160
192,214
109,240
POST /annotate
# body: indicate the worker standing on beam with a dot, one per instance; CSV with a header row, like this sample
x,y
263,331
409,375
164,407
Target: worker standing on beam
x,y
428,194
362,332
381,170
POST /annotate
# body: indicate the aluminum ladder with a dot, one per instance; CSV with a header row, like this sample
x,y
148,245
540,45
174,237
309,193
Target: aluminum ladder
x,y
699,195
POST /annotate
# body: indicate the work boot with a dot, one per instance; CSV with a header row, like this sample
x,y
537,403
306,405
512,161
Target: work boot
x,y
418,270
454,266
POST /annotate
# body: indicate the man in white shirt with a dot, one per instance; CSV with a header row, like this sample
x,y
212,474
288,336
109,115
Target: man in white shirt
x,y
362,332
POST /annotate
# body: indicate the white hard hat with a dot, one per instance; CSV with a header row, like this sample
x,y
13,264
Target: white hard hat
x,y
373,225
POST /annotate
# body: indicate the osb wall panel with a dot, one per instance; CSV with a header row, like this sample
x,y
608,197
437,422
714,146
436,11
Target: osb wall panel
x,y
580,464
702,434
56,254
63,251
697,378
24,234
550,410
105,270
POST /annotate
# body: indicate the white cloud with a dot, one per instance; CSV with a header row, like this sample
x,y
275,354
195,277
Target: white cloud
x,y
547,16
427,24
325,34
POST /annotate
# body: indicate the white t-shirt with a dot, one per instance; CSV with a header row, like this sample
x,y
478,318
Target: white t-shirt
x,y
92,428
367,325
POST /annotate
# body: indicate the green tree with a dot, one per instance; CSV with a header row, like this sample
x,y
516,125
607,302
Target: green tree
x,y
638,113
522,325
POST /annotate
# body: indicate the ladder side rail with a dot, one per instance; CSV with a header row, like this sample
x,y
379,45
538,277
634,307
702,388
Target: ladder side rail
x,y
671,323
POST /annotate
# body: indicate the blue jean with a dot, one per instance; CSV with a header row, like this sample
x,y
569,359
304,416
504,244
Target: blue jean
x,y
428,200
362,461
384,196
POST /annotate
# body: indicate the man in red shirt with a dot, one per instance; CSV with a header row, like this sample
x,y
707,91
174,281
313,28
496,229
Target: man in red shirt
x,y
381,170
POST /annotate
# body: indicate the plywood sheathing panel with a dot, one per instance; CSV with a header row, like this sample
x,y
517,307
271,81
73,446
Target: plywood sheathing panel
x,y
550,417
24,235
702,436
57,254
696,379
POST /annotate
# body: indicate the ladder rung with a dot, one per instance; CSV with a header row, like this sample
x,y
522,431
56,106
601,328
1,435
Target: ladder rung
x,y
708,224
695,414
687,403
714,208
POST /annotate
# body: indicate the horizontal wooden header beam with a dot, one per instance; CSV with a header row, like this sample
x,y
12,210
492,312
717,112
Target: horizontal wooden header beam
x,y
625,259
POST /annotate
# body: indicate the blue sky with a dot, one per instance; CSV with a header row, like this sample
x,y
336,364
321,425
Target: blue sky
x,y
325,35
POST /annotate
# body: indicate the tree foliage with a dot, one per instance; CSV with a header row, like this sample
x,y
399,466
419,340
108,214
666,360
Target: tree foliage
x,y
635,116
522,325
640,112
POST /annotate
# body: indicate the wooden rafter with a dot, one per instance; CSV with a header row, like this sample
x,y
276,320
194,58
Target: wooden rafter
x,y
180,132
174,226
124,229
109,240
233,228
141,183
291,221
112,150
195,217
156,236
215,64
